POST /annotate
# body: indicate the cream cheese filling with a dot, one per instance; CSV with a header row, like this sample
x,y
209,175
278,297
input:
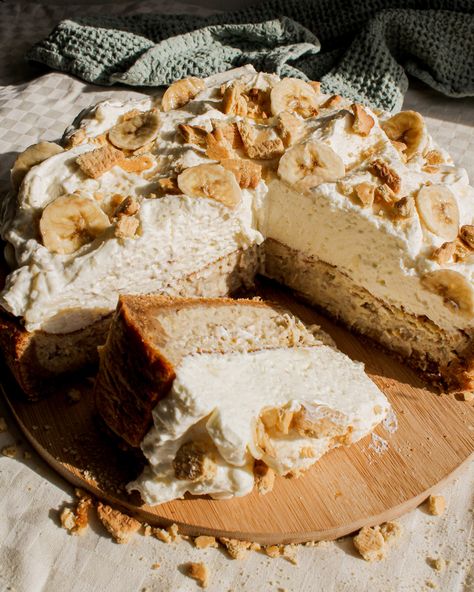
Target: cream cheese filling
x,y
284,406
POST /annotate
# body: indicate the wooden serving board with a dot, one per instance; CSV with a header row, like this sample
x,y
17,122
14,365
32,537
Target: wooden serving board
x,y
347,489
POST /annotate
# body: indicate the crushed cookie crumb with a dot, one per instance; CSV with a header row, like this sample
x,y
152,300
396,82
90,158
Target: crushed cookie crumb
x,y
9,451
155,565
438,564
365,192
169,186
126,227
233,100
333,101
404,207
372,542
436,505
168,535
129,206
193,134
120,526
273,551
218,148
260,142
199,572
290,553
444,253
383,193
98,161
235,548
290,127
76,520
387,175
204,541
466,233
363,122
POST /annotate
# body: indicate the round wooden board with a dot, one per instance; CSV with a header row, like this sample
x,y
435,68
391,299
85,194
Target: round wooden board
x,y
349,488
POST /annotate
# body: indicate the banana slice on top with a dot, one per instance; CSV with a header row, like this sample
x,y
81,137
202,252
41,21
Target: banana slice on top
x,y
438,210
181,92
213,181
136,131
30,157
70,221
307,165
407,127
295,96
454,288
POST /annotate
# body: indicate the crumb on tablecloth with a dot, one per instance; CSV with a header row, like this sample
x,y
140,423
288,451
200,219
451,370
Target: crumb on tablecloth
x,y
199,572
436,505
373,542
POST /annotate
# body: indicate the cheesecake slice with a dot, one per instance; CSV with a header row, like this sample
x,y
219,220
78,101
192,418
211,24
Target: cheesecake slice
x,y
222,393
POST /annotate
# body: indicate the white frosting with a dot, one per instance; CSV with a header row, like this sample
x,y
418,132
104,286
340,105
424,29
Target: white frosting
x,y
385,257
177,235
217,398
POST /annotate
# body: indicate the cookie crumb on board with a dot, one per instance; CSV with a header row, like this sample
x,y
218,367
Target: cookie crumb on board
x,y
199,572
436,505
373,542
120,526
166,535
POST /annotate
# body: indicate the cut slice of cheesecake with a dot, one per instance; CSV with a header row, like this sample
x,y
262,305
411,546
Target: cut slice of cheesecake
x,y
220,393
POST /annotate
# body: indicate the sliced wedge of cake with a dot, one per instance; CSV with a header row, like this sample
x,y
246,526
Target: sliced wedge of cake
x,y
220,393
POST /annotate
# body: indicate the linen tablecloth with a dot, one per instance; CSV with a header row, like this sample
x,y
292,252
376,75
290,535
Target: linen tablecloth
x,y
35,553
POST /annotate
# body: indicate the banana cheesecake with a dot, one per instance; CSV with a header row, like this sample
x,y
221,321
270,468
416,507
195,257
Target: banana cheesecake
x,y
357,211
224,394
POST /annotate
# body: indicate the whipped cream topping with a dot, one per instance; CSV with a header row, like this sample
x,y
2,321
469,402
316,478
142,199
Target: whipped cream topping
x,y
177,234
387,257
224,419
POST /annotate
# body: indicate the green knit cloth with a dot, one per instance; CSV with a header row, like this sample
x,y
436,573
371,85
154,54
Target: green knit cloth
x,y
362,49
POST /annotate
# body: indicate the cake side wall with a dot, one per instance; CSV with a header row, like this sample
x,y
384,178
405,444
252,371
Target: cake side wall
x,y
443,357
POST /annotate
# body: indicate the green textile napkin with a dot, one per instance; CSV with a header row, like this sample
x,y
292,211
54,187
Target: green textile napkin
x,y
360,49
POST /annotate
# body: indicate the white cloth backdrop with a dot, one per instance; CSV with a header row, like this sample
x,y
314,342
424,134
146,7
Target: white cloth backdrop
x,y
35,553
